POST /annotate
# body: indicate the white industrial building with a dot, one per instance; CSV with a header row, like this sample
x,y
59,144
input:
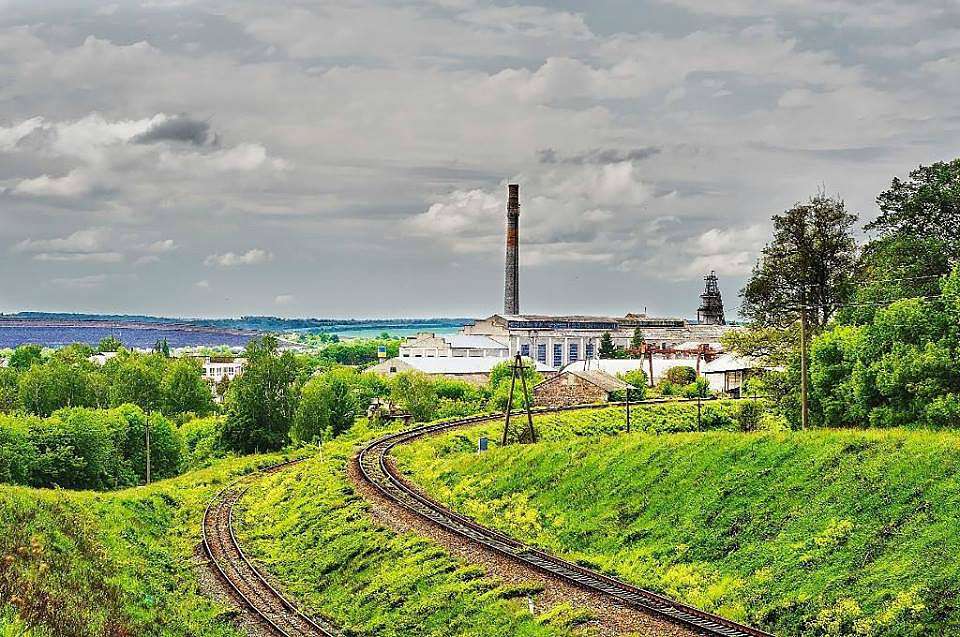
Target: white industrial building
x,y
560,340
429,345
473,369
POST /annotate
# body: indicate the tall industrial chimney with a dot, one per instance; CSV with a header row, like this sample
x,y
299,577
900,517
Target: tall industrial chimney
x,y
511,284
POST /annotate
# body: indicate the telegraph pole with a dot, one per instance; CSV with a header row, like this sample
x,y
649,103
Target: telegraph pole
x,y
518,369
147,434
804,398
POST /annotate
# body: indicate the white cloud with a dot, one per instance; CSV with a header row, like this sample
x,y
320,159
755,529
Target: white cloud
x,y
73,184
87,240
202,284
254,256
284,299
80,283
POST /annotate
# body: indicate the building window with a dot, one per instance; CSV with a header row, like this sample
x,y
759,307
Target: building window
x,y
557,354
574,353
525,350
589,350
542,354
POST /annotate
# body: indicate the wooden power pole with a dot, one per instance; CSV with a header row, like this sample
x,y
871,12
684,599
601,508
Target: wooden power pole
x,y
804,397
518,369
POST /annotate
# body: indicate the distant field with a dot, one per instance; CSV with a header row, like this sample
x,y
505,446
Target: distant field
x,y
822,533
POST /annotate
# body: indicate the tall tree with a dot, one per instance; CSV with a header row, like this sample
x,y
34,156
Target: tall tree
x,y
261,401
926,205
809,263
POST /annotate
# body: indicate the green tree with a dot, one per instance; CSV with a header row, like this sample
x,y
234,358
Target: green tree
x,y
636,341
184,390
416,394
162,347
261,401
135,379
44,388
109,344
925,206
499,384
681,375
328,403
607,349
9,390
809,263
24,356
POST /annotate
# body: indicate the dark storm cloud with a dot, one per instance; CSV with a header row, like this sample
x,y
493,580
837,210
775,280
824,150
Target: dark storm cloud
x,y
598,155
178,129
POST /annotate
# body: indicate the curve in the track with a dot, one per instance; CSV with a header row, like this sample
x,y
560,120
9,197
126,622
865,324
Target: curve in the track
x,y
268,606
380,474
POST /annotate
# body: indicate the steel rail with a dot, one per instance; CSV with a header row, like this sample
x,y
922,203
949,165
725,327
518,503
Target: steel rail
x,y
378,472
245,580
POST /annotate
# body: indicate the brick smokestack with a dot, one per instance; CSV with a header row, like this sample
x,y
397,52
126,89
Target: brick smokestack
x,y
511,284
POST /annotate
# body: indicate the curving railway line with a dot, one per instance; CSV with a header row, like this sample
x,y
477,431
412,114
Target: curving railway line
x,y
376,470
246,583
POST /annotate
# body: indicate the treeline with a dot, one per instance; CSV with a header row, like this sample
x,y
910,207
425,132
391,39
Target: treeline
x,y
883,317
282,398
82,448
41,384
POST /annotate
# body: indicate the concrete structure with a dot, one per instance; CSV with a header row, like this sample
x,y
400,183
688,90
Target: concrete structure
x,y
101,358
429,345
560,340
216,368
577,387
711,303
511,283
470,368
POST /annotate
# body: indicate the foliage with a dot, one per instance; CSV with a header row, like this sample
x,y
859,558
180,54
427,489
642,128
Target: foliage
x,y
637,378
24,356
82,448
9,390
183,389
607,349
135,378
202,440
499,384
261,401
926,206
80,564
681,375
58,383
328,403
809,262
416,394
806,534
109,344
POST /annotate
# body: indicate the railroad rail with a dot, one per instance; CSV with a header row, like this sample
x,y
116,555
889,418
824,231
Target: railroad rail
x,y
270,607
376,470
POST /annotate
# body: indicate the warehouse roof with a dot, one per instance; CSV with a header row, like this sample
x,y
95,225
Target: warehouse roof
x,y
450,364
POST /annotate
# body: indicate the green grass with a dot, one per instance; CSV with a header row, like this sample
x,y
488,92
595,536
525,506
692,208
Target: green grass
x,y
815,533
313,531
78,564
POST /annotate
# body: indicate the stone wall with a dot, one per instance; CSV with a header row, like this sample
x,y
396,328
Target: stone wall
x,y
567,389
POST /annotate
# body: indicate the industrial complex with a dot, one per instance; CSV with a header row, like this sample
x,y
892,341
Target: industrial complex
x,y
559,342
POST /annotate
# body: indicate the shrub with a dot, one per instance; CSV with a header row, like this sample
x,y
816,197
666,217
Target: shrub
x,y
749,415
416,394
681,375
202,440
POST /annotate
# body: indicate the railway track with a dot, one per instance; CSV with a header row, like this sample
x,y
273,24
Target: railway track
x,y
246,583
376,470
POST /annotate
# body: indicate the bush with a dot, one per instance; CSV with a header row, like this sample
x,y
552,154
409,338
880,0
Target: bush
x,y
416,394
681,375
202,440
82,448
749,415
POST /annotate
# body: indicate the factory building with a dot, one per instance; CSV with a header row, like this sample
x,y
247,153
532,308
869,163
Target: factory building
x,y
560,340
556,341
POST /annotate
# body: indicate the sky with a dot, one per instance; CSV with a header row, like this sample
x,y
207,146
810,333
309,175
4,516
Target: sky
x,y
350,158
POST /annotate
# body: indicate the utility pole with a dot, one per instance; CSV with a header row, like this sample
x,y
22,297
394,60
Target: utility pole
x,y
804,398
628,408
518,369
147,434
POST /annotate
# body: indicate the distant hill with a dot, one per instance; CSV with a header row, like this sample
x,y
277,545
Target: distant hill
x,y
258,323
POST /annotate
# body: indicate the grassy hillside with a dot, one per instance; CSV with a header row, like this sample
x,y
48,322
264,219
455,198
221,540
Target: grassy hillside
x,y
313,532
78,564
817,533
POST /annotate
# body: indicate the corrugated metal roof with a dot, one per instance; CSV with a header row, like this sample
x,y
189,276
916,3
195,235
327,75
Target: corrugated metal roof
x,y
456,364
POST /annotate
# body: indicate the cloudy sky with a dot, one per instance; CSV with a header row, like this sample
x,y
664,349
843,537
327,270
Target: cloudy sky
x,y
351,158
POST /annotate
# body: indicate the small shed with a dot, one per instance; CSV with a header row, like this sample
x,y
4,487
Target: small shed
x,y
728,372
578,387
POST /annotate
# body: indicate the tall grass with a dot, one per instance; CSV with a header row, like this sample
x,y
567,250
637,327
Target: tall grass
x,y
84,564
814,533
314,532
